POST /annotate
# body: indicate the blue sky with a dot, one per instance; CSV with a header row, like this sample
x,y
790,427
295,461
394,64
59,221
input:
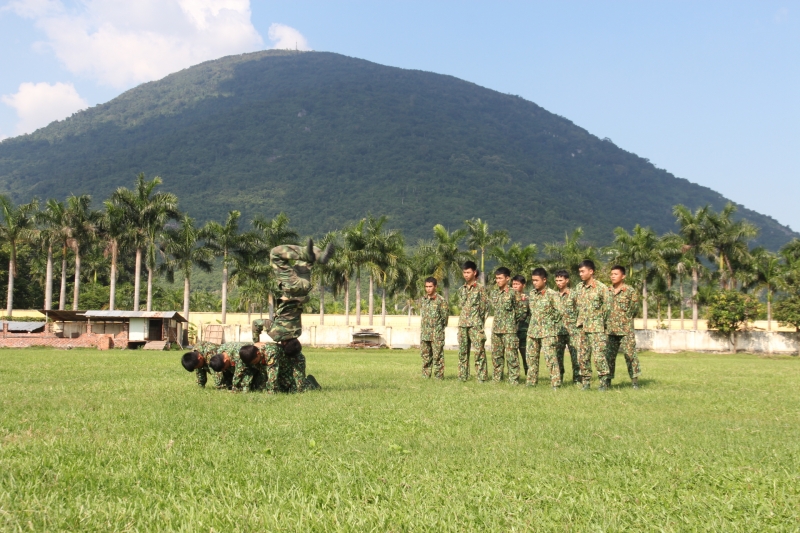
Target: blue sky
x,y
707,90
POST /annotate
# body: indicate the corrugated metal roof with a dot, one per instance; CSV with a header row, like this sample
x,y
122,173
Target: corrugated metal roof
x,y
23,326
174,315
63,316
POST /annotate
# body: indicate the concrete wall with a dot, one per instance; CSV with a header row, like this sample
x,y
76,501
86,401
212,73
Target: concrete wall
x,y
663,341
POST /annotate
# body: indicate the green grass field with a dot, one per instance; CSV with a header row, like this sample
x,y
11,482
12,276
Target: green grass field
x,y
125,441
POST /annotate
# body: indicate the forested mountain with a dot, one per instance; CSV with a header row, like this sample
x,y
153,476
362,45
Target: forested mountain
x,y
327,138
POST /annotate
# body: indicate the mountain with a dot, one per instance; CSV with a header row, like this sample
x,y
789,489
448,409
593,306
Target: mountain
x,y
327,138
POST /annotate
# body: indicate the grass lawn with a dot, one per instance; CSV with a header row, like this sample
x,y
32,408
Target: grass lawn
x,y
125,441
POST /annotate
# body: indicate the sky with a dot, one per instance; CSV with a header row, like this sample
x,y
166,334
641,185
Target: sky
x,y
709,91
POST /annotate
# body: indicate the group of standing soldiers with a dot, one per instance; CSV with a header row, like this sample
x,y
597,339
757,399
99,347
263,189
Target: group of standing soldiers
x,y
278,366
592,321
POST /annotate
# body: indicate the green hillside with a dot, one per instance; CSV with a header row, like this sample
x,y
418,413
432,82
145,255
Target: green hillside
x,y
328,138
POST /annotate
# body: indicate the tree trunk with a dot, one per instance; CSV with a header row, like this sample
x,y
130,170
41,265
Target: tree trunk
x,y
112,293
321,305
149,289
694,298
447,295
669,302
347,302
409,312
10,297
358,298
644,303
680,288
483,274
383,306
224,290
769,310
371,298
62,298
77,291
137,275
271,301
186,296
48,290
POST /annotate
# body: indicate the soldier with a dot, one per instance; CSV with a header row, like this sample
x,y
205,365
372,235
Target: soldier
x,y
250,368
545,323
473,302
593,300
433,319
523,318
197,360
624,303
567,336
504,329
259,325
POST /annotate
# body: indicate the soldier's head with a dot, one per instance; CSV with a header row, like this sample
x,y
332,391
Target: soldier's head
x,y
220,362
539,278
586,270
291,347
192,361
518,283
501,277
470,271
617,274
430,286
249,354
562,279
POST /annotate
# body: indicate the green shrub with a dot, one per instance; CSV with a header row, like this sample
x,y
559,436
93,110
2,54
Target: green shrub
x,y
730,311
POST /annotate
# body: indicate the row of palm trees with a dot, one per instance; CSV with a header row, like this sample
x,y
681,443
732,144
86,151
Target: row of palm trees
x,y
144,226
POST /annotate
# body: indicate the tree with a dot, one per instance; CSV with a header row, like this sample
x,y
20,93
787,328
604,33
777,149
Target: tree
x,y
479,238
54,233
729,240
184,252
115,231
355,243
381,253
332,274
517,259
16,228
696,243
225,241
787,312
569,254
83,223
269,234
766,275
443,257
145,212
730,310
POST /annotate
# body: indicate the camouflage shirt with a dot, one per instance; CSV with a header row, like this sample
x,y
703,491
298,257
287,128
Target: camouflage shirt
x,y
473,303
569,311
624,305
523,313
593,303
207,350
546,316
504,304
433,318
248,377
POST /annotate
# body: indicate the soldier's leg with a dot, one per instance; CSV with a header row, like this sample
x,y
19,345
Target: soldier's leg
x,y
573,354
522,341
551,359
498,359
584,357
611,353
631,359
512,346
272,372
298,365
478,340
532,351
463,354
437,347
599,342
426,352
561,346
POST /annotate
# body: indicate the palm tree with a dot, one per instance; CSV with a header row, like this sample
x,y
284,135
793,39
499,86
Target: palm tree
x,y
115,231
729,239
356,259
330,274
54,233
443,256
225,241
767,272
16,228
569,254
696,243
271,233
183,251
517,259
382,250
146,212
84,224
479,239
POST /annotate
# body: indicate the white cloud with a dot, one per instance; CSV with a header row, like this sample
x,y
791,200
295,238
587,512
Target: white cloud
x,y
39,104
122,43
284,37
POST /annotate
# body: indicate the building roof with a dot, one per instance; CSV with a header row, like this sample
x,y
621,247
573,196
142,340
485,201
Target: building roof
x,y
28,327
172,315
63,316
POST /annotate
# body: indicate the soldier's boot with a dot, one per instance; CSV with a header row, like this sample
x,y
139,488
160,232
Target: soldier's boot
x,y
311,383
326,254
587,384
635,383
310,255
605,384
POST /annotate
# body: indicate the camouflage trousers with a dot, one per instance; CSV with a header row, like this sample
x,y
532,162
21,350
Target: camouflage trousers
x,y
294,376
288,320
504,348
592,348
432,353
292,268
627,343
472,337
257,328
565,343
545,346
522,342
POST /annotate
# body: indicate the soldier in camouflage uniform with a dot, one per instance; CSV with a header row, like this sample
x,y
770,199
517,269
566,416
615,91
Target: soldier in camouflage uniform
x,y
471,334
433,319
504,328
259,325
624,303
198,359
545,324
568,335
523,318
250,367
593,300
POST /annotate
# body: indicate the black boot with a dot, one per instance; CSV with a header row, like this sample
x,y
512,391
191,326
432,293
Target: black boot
x,y
604,384
311,383
635,383
586,385
326,254
310,257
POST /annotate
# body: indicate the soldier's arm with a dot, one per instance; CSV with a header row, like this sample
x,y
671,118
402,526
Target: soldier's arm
x,y
239,374
443,313
483,305
201,374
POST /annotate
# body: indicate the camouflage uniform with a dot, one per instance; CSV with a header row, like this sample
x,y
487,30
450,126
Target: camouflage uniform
x,y
593,303
433,320
504,334
292,267
473,303
293,378
523,318
207,350
258,326
568,335
620,330
246,377
546,322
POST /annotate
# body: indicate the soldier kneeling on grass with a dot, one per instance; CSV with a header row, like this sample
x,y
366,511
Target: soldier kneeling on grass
x,y
197,361
265,367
